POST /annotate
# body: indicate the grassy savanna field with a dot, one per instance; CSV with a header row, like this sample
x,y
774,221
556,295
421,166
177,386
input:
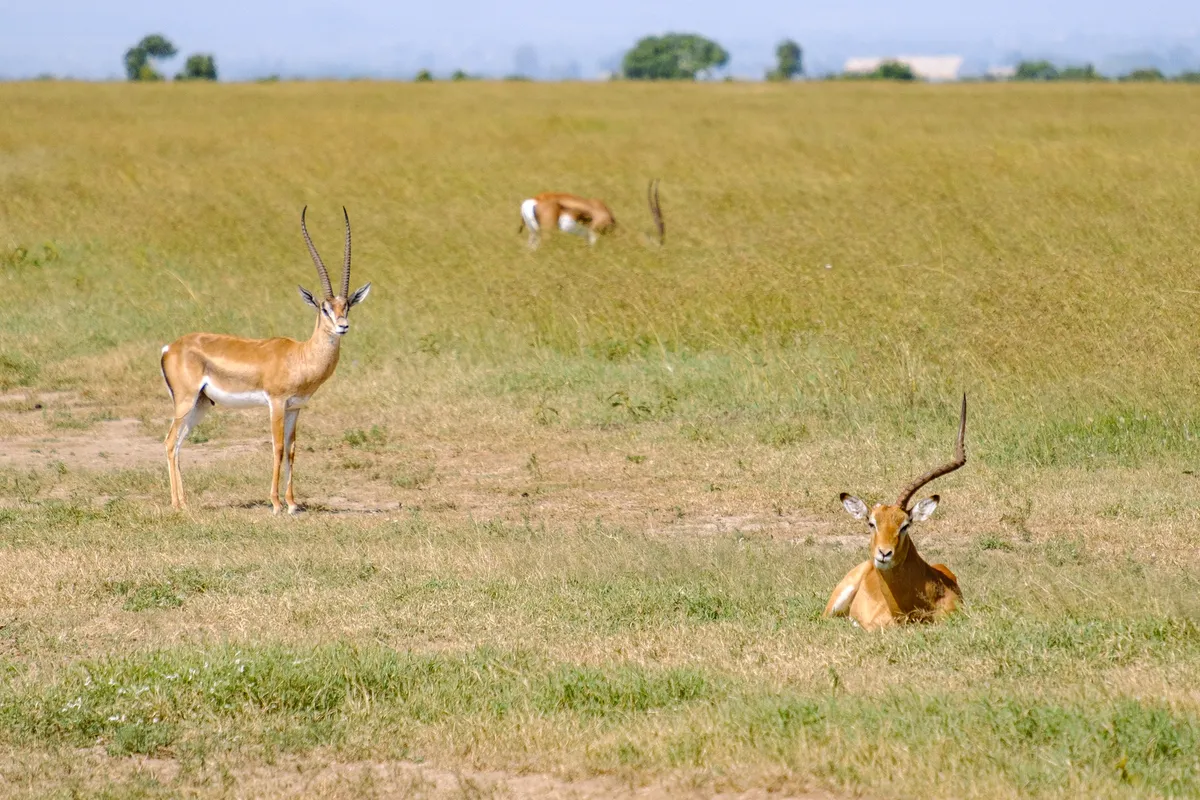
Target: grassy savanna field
x,y
573,514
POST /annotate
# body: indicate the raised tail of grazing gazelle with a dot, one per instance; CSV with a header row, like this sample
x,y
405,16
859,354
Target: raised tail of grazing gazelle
x,y
580,216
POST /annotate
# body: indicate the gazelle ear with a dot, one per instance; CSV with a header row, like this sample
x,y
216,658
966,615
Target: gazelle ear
x,y
923,510
856,507
308,298
359,295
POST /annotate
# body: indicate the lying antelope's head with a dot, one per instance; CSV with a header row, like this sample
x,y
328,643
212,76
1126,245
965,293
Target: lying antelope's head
x,y
889,524
334,310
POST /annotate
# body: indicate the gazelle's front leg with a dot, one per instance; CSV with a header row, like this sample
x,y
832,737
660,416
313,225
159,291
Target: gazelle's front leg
x,y
169,445
289,435
844,593
278,415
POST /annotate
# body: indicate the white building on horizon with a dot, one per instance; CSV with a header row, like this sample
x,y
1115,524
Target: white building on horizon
x,y
930,68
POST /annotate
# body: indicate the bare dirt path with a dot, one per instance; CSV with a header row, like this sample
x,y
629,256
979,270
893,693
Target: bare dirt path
x,y
335,780
553,478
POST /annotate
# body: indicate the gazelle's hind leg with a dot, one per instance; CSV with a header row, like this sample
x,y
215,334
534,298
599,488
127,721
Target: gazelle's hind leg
x,y
289,437
186,418
545,219
951,596
529,219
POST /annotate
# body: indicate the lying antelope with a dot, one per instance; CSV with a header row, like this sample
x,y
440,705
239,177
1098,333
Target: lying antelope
x,y
896,585
204,369
579,216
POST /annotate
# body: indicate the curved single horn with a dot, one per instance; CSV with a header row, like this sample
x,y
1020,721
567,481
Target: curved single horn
x,y
656,209
960,458
346,261
316,257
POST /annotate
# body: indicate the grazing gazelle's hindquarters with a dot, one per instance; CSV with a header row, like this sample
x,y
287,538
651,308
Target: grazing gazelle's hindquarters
x,y
579,216
206,369
895,584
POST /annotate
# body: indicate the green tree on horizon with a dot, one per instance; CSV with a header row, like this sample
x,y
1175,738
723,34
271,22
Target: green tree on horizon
x,y
893,70
198,67
138,66
1036,71
789,59
1144,75
1087,72
673,56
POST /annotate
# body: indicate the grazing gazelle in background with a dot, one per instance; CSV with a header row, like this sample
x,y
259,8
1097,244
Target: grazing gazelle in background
x,y
579,216
896,585
204,369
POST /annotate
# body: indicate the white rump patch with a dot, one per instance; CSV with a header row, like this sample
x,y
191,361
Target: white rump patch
x,y
166,347
235,399
529,214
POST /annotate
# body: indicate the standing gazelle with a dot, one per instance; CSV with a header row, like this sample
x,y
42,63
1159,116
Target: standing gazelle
x,y
579,216
896,585
204,369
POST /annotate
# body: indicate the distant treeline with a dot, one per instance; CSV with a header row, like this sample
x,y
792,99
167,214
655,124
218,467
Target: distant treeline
x,y
672,56
1048,71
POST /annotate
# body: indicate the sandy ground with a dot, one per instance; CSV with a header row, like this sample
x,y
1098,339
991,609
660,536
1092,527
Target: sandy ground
x,y
321,777
492,480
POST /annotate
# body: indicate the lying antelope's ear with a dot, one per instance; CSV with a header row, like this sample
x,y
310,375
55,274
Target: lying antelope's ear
x,y
856,507
923,509
359,295
308,298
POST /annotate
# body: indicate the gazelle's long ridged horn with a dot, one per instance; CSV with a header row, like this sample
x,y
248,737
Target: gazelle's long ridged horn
x,y
960,458
346,261
316,257
656,209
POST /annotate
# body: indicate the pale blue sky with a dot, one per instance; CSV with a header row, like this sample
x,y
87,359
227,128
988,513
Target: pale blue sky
x,y
86,38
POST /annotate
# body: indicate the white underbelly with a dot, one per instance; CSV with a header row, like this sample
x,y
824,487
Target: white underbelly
x,y
235,399
567,224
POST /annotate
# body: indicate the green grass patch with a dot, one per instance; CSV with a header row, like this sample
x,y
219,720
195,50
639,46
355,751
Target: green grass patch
x,y
381,703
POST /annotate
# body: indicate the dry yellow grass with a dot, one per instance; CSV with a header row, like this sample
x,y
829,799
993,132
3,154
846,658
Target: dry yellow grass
x,y
574,512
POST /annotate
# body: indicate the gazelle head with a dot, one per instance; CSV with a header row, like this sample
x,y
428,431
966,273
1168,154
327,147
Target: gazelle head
x,y
890,523
334,310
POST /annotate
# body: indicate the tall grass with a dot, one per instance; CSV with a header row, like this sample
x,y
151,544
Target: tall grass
x,y
1029,244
